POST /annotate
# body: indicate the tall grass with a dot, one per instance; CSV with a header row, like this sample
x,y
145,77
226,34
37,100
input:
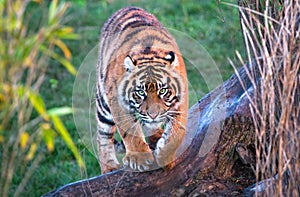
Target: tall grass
x,y
272,39
27,127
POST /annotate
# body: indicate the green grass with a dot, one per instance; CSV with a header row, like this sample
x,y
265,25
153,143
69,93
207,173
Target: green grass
x,y
213,26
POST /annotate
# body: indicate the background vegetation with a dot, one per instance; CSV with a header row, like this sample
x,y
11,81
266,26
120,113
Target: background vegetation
x,y
215,26
272,41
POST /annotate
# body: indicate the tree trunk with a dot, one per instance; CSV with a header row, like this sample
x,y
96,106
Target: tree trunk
x,y
216,125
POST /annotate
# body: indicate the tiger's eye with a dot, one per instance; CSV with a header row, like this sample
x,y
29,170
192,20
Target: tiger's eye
x,y
162,91
141,92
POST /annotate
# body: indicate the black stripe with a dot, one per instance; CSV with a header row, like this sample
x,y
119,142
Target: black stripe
x,y
104,145
110,160
178,86
156,38
168,81
104,104
150,38
124,88
103,119
157,64
172,103
145,16
173,86
131,35
152,70
164,136
107,135
175,98
100,108
141,20
145,58
118,16
112,25
125,134
129,91
168,94
158,76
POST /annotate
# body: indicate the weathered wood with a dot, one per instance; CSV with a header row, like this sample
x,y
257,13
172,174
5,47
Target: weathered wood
x,y
210,151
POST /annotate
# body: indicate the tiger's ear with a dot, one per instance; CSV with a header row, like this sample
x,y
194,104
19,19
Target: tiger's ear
x,y
128,64
172,58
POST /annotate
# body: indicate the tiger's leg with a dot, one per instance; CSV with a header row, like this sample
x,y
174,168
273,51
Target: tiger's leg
x,y
106,150
105,135
169,142
138,156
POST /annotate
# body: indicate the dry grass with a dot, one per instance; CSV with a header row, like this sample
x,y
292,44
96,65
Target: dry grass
x,y
272,40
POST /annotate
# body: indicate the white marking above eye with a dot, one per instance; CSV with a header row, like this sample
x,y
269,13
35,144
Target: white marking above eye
x,y
168,57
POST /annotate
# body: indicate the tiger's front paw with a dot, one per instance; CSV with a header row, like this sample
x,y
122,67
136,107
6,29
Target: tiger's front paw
x,y
138,161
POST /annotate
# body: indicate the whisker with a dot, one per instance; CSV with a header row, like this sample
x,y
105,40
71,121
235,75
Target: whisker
x,y
174,123
134,125
125,121
173,118
124,115
176,112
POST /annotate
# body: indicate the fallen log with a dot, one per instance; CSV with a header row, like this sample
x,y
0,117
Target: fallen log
x,y
216,124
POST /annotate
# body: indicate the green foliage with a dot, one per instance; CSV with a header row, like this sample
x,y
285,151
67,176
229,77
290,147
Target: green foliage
x,y
27,128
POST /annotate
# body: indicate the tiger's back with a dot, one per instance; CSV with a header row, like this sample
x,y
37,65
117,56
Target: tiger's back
x,y
141,86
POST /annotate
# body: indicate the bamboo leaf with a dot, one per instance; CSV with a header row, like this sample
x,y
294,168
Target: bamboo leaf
x,y
63,47
32,151
24,140
52,11
66,30
67,64
60,111
38,103
67,138
48,136
66,33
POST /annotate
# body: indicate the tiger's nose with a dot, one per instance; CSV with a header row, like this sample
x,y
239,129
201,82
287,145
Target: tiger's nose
x,y
153,115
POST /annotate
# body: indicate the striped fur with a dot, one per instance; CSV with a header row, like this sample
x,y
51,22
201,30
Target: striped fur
x,y
141,87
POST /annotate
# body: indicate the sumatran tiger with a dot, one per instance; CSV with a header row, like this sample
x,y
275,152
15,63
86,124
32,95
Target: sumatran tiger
x,y
141,91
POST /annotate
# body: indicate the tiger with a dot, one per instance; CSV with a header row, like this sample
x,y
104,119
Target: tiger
x,y
141,91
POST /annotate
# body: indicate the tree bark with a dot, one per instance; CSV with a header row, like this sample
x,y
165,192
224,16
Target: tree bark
x,y
216,125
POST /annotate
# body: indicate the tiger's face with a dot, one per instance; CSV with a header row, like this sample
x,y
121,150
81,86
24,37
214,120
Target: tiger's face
x,y
152,91
152,100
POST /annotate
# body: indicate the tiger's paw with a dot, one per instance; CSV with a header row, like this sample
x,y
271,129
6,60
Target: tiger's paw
x,y
138,161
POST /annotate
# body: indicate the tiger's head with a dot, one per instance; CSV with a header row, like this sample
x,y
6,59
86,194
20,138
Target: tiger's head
x,y
152,90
